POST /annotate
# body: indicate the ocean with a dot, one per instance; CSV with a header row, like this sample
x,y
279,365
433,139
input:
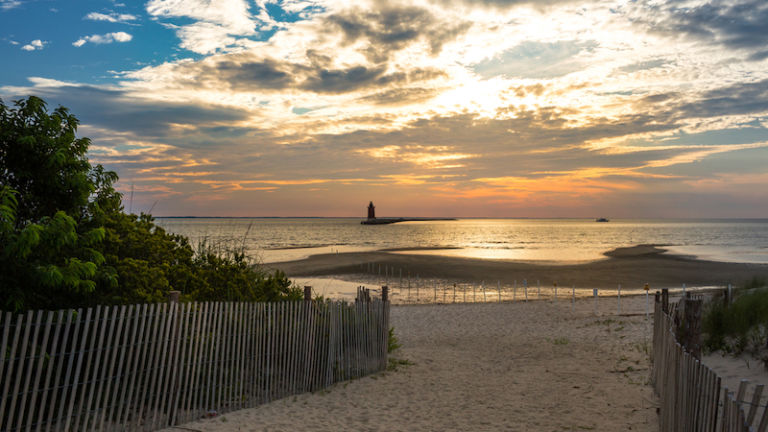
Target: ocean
x,y
530,240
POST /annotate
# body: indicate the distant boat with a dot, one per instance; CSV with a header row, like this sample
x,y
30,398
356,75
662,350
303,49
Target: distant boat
x,y
602,220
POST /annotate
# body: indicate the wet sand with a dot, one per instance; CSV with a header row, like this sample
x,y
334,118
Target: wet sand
x,y
632,267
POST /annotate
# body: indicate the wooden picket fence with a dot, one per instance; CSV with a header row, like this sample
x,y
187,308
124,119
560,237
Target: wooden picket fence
x,y
690,392
146,367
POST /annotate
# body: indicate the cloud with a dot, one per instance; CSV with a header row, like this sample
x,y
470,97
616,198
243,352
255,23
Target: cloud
x,y
232,14
738,24
107,38
739,98
502,4
216,23
120,111
401,95
538,60
392,28
9,4
35,45
249,72
112,17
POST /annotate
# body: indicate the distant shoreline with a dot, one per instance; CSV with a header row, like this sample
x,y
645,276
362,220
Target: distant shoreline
x,y
630,266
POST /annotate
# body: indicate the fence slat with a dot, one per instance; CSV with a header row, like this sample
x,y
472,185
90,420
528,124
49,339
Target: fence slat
x,y
131,408
183,386
755,402
48,372
195,380
20,372
127,370
116,346
66,386
103,350
25,389
39,371
86,337
176,364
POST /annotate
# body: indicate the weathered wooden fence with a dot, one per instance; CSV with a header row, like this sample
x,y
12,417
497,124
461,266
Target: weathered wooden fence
x,y
690,392
145,367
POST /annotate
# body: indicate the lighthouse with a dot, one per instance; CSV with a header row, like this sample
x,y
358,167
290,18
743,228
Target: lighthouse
x,y
371,211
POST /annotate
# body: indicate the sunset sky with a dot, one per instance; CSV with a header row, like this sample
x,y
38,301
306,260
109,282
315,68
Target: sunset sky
x,y
486,108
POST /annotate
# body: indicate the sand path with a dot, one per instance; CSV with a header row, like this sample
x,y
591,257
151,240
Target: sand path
x,y
534,366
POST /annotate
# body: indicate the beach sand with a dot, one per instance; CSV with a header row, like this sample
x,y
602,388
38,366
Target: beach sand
x,y
536,366
632,267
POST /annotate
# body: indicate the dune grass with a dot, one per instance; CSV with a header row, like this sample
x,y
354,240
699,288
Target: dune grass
x,y
741,326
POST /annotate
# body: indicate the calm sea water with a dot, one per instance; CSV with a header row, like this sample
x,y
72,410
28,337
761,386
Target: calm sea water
x,y
551,240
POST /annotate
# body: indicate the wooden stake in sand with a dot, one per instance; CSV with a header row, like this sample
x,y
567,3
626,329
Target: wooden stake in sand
x,y
619,299
555,292
514,291
482,286
525,289
573,297
647,287
498,287
538,290
594,294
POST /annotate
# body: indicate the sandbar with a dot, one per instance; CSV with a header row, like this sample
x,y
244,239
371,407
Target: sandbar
x,y
632,267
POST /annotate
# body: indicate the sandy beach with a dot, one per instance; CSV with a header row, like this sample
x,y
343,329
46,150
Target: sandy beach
x,y
632,267
536,366
512,366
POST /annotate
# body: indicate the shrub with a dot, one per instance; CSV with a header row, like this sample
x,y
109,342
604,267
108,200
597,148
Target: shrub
x,y
65,241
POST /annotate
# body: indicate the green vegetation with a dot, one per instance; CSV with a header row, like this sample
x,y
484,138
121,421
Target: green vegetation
x,y
394,364
741,326
66,242
392,342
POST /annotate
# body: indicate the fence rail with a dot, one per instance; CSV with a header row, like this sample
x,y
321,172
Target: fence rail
x,y
146,367
689,391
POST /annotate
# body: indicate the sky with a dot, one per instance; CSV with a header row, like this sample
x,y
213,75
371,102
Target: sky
x,y
465,108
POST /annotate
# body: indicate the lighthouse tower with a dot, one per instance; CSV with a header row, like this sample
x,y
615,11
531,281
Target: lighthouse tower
x,y
371,211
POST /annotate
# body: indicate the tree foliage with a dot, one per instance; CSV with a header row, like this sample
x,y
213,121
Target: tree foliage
x,y
66,241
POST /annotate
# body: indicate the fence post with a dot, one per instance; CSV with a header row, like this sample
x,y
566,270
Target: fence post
x,y
174,296
665,300
307,293
385,293
692,327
